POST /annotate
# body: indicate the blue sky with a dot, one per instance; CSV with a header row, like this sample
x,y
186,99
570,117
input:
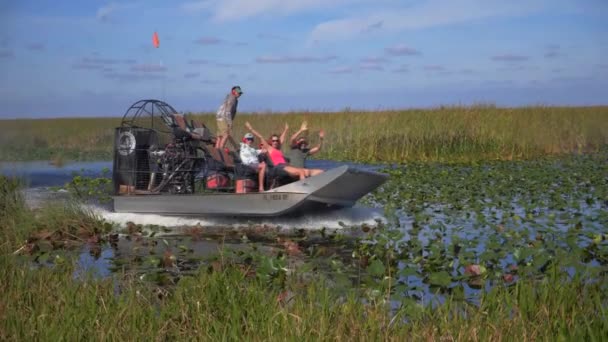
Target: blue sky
x,y
91,57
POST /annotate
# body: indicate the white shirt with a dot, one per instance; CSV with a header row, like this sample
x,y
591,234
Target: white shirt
x,y
249,155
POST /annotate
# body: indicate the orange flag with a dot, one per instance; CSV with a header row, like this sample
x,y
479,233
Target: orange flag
x,y
155,40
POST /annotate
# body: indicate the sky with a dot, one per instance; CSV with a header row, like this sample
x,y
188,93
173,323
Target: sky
x,y
76,58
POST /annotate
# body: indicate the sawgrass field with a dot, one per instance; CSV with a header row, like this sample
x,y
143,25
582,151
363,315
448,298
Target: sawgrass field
x,y
446,134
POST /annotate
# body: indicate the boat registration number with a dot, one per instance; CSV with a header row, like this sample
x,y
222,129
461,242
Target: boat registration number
x,y
276,197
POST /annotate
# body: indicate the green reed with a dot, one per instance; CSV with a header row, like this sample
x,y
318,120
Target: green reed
x,y
442,134
49,304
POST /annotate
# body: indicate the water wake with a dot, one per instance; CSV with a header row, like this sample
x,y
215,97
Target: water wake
x,y
337,219
348,217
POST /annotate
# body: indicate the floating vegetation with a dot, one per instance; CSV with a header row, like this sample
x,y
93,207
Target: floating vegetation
x,y
501,249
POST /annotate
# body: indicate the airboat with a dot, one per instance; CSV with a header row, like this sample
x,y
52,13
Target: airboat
x,y
168,165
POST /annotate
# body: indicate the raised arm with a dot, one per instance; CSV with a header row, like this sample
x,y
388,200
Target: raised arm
x,y
303,127
257,134
318,147
284,134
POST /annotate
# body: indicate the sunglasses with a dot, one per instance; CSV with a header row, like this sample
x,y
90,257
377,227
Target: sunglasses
x,y
250,139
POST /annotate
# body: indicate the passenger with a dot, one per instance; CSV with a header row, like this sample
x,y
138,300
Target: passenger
x,y
299,146
250,157
278,159
225,116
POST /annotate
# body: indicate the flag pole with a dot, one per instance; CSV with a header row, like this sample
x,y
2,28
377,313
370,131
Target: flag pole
x,y
156,43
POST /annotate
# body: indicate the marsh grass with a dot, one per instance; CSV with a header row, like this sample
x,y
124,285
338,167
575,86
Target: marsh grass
x,y
230,303
57,139
444,134
13,212
49,304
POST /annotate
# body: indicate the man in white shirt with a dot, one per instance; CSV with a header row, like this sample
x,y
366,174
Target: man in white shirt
x,y
249,156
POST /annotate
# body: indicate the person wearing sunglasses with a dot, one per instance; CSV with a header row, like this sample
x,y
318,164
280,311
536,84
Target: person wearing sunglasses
x,y
250,157
225,116
299,149
273,146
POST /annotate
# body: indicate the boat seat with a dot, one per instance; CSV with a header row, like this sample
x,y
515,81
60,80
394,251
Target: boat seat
x,y
194,131
218,159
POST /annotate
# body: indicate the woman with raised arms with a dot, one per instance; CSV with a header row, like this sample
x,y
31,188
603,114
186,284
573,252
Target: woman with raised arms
x,y
276,155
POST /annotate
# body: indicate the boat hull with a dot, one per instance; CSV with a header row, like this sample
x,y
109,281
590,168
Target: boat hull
x,y
335,188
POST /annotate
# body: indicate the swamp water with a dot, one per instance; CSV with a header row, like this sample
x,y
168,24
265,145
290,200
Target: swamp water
x,y
432,230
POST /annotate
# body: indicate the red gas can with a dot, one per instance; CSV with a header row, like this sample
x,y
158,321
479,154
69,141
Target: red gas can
x,y
217,181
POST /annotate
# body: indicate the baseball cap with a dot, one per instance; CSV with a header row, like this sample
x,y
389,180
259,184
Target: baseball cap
x,y
237,89
248,136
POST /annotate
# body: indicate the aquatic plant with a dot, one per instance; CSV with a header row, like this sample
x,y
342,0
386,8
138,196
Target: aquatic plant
x,y
91,189
473,251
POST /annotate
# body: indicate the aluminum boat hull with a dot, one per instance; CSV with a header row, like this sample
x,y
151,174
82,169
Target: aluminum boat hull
x,y
335,188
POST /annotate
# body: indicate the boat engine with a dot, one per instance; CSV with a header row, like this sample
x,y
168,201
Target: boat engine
x,y
177,168
153,154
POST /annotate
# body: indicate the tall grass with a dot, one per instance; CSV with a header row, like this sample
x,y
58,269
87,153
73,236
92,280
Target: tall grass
x,y
49,304
443,134
13,213
57,139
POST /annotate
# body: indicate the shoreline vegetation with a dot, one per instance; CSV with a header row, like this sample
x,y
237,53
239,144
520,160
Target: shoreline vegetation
x,y
255,297
528,235
446,134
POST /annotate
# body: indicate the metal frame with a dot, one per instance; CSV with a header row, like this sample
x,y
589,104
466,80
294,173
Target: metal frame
x,y
149,107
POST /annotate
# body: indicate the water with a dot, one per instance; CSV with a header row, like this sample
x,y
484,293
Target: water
x,y
489,233
44,184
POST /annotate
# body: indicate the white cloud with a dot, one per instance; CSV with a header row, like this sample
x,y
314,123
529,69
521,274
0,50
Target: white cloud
x,y
227,10
427,14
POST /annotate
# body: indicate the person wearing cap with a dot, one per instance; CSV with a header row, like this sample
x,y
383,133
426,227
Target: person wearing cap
x,y
225,116
250,157
299,149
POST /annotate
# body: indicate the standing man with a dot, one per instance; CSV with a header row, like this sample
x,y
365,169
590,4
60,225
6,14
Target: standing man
x,y
299,149
225,116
